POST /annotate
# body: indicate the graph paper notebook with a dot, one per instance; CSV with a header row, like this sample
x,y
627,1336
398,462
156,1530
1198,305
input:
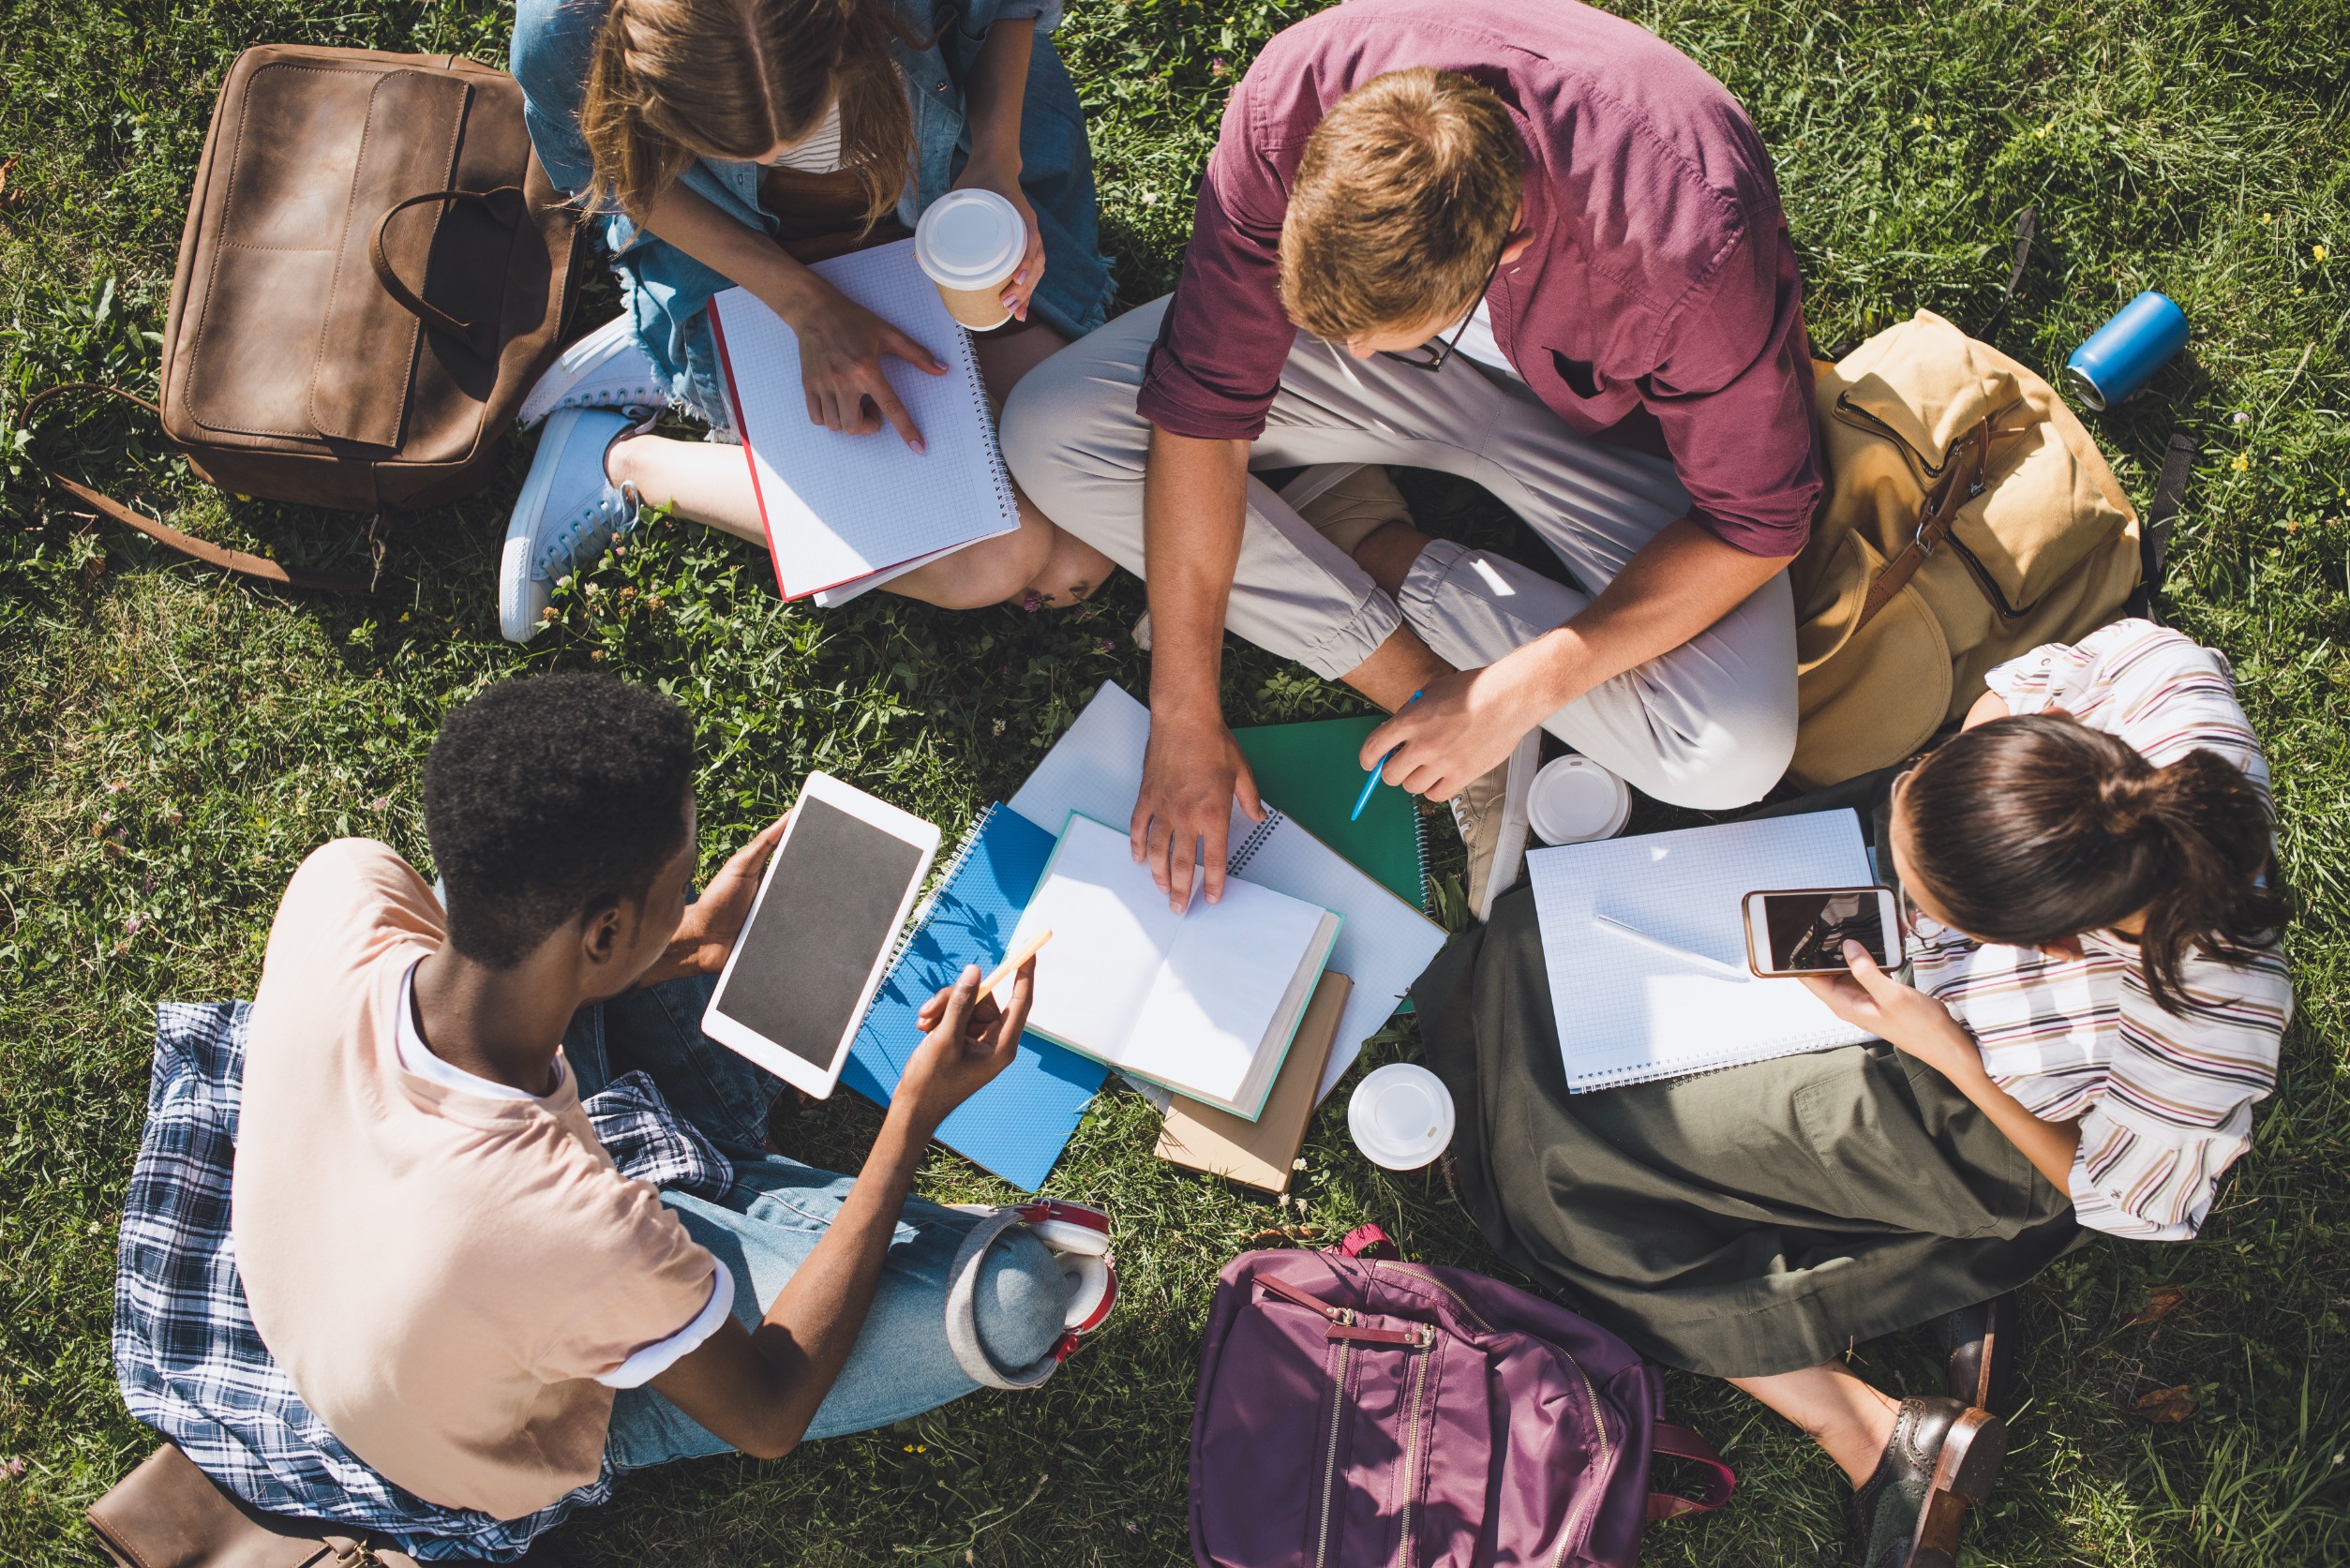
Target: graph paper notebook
x,y
846,513
1018,1125
1203,1000
1628,1011
1096,768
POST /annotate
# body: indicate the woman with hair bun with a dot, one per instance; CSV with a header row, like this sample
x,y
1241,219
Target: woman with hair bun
x,y
734,141
2095,913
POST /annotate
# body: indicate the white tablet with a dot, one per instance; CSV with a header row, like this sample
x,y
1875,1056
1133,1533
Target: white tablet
x,y
819,934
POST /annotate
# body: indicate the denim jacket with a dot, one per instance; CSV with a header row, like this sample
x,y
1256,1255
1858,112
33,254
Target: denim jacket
x,y
554,43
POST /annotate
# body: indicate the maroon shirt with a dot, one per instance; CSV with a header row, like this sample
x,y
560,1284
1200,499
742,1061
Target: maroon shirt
x,y
1658,306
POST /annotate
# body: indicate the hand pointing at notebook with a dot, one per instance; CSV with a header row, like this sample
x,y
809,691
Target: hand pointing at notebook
x,y
840,345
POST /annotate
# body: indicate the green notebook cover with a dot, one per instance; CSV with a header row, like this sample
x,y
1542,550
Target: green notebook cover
x,y
1311,773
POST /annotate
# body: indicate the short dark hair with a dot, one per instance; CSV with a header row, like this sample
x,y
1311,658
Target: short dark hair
x,y
546,793
2035,828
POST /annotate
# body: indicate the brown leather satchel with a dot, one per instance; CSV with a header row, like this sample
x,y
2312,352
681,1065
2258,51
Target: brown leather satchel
x,y
374,272
167,1514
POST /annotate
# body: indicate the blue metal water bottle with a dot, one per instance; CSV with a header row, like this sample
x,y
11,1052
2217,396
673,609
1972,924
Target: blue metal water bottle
x,y
2126,351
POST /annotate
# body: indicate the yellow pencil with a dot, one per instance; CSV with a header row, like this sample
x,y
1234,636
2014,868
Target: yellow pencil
x,y
1013,960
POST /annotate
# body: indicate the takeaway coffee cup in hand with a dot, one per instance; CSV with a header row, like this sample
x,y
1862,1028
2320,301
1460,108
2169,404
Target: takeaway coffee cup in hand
x,y
969,243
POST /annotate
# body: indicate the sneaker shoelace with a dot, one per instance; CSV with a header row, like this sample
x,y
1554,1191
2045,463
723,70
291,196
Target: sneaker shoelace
x,y
614,512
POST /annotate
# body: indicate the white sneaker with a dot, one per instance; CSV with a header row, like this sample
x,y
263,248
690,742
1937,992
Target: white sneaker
x,y
568,511
1492,815
606,369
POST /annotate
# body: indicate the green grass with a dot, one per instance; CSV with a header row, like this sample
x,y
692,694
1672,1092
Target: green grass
x,y
172,744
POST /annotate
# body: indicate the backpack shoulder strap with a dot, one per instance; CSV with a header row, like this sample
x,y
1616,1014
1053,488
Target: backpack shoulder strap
x,y
1682,1443
187,544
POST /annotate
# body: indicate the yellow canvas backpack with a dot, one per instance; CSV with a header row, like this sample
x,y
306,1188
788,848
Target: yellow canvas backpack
x,y
1969,518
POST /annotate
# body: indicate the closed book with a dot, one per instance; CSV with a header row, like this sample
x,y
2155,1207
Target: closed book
x,y
1261,1153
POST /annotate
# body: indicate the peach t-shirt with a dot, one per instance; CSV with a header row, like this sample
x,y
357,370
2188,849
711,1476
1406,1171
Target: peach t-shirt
x,y
442,1273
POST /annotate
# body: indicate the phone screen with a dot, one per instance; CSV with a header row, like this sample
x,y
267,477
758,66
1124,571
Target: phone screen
x,y
827,918
1808,931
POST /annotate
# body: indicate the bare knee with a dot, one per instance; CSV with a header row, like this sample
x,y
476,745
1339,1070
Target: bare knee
x,y
988,572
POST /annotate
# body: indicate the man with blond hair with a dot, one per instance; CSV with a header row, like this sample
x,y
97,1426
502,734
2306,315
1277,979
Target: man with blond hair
x,y
1529,244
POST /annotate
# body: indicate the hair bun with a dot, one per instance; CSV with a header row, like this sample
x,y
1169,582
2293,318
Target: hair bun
x,y
2126,804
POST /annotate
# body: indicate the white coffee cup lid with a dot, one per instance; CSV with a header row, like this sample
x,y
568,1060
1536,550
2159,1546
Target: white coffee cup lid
x,y
1574,800
970,239
1400,1116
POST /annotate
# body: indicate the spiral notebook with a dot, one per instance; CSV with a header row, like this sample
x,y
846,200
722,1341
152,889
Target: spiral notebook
x,y
1018,1124
843,512
1096,768
1628,1011
1314,769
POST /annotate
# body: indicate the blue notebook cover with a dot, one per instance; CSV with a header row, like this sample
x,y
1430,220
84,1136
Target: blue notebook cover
x,y
1019,1124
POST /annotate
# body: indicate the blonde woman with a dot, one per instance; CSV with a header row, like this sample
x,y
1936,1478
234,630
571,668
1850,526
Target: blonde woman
x,y
734,141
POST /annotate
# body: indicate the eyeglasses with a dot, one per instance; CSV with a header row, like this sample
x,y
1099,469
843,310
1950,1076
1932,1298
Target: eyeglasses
x,y
1432,356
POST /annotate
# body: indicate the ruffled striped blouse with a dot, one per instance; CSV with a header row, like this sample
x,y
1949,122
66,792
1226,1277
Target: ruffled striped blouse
x,y
2163,1099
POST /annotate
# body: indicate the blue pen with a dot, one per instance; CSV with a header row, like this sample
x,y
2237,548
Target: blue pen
x,y
1372,782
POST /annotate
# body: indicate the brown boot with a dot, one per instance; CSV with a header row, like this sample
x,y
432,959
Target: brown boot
x,y
1492,817
1347,502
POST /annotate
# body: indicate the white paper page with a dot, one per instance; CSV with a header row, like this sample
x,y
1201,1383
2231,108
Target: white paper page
x,y
1229,967
1111,931
1628,1013
1383,946
841,507
1097,768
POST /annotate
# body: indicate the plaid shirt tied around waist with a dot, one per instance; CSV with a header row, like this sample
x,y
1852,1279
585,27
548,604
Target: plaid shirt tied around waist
x,y
193,1365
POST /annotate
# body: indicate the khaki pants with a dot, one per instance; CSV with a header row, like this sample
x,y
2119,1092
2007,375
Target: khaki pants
x,y
1710,724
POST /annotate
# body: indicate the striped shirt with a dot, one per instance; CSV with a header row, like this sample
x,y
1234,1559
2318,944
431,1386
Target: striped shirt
x,y
2163,1099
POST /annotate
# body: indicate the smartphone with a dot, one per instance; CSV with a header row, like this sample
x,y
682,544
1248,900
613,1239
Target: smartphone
x,y
819,938
1803,931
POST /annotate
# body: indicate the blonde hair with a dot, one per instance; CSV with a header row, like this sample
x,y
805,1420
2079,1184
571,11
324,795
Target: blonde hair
x,y
674,80
1405,194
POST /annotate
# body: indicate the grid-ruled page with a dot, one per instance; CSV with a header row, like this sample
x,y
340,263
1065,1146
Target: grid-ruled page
x,y
841,507
1628,1013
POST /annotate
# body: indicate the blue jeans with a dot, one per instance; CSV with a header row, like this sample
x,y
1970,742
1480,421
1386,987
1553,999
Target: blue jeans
x,y
772,1219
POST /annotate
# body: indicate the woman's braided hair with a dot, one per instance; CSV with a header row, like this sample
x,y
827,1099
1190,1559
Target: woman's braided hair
x,y
2035,828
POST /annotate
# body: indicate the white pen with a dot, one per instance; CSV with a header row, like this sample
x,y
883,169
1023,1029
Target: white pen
x,y
1632,933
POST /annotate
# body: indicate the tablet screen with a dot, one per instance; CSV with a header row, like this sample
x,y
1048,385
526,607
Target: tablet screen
x,y
829,915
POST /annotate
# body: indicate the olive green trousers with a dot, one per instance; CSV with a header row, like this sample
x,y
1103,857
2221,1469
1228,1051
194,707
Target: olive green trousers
x,y
1737,1223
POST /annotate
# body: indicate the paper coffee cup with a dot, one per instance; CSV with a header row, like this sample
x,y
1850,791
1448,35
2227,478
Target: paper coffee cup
x,y
1574,800
1400,1116
969,243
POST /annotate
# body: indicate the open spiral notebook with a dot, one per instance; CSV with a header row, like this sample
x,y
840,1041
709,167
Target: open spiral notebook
x,y
1628,1012
845,513
1097,768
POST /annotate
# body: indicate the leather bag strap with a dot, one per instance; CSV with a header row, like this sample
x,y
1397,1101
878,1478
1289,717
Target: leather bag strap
x,y
2170,490
187,544
2026,225
413,303
1962,481
1682,1443
1367,1241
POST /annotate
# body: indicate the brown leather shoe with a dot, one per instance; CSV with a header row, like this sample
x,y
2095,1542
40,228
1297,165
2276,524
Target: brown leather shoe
x,y
1979,1344
1942,1459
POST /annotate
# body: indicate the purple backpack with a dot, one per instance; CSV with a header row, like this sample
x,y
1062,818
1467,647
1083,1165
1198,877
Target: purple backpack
x,y
1355,1413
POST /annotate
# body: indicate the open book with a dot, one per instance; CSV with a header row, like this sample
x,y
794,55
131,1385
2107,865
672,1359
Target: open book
x,y
1203,1000
1096,768
847,513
